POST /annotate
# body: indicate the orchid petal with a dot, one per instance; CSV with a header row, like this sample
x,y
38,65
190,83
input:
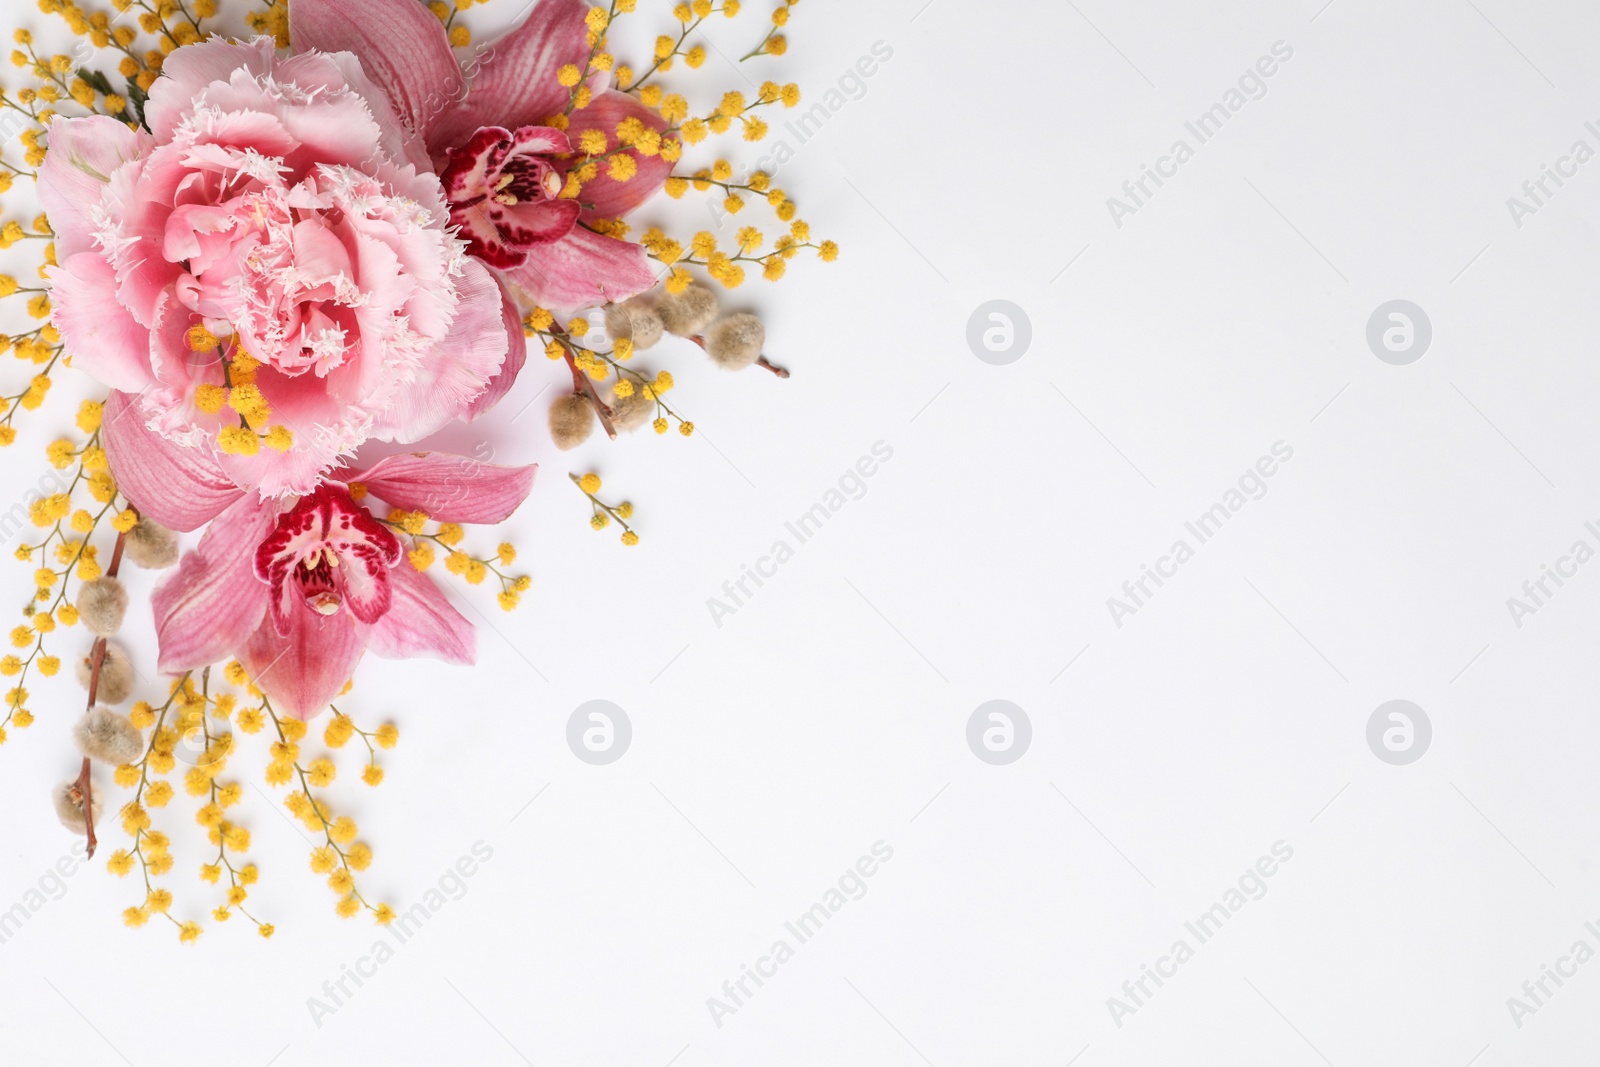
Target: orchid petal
x,y
497,235
208,608
468,168
364,581
297,532
303,670
401,45
534,222
517,82
328,520
540,141
605,196
422,623
181,488
582,269
366,550
449,488
502,191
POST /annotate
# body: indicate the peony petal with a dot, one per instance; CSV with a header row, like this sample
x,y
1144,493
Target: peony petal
x,y
516,83
401,46
422,623
449,488
342,69
304,670
181,488
187,72
605,197
582,269
273,473
208,608
139,198
459,368
72,180
516,358
105,341
319,256
182,239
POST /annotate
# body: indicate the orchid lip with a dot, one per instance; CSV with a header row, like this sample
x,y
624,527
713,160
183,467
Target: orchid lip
x,y
329,554
325,603
318,584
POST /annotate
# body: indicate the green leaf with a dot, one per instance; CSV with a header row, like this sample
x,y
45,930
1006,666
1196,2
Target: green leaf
x,y
97,81
136,99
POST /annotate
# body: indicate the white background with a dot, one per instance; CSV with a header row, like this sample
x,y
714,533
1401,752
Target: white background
x,y
830,711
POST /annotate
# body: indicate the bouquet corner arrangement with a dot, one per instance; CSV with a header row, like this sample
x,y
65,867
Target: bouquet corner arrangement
x,y
269,239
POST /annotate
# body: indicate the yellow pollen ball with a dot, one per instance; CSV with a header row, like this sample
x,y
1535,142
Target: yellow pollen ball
x,y
238,441
202,340
210,398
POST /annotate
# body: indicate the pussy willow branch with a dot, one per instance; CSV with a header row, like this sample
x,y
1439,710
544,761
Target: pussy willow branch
x,y
762,362
582,384
98,653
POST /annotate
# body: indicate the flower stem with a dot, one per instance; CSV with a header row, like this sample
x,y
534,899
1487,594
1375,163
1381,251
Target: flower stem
x,y
781,372
582,384
98,652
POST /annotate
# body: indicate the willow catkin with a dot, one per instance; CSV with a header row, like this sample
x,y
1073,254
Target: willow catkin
x,y
151,545
102,604
68,800
109,737
637,321
687,313
571,421
116,674
632,411
735,342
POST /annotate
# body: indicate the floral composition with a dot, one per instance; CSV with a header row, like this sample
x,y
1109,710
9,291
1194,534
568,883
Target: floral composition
x,y
267,245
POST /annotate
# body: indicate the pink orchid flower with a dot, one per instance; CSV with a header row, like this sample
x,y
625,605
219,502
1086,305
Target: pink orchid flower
x,y
488,129
299,590
504,193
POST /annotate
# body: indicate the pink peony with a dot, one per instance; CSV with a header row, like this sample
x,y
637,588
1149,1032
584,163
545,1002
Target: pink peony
x,y
281,205
299,590
293,208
